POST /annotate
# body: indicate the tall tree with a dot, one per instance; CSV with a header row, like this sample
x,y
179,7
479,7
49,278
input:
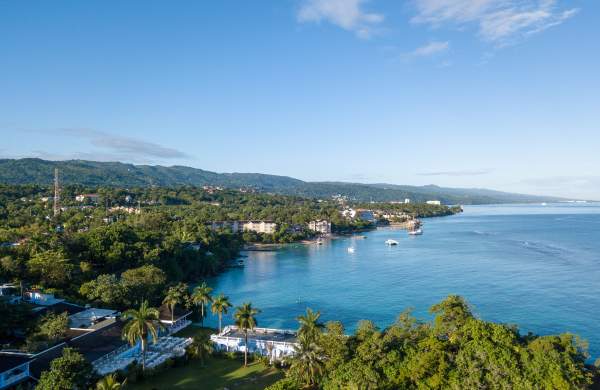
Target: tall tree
x,y
307,364
219,306
245,319
201,347
141,324
68,372
175,295
310,327
201,297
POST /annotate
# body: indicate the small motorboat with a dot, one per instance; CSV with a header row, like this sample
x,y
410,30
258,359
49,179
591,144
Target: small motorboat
x,y
391,242
350,250
416,232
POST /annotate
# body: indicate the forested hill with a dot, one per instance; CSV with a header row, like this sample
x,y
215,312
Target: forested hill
x,y
93,173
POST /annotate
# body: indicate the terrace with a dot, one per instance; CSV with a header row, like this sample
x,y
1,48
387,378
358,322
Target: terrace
x,y
274,343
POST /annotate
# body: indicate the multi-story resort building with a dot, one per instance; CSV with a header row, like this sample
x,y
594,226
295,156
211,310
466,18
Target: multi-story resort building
x,y
267,227
320,226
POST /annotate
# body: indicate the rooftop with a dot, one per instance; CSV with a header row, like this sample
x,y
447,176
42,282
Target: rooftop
x,y
89,318
9,360
279,335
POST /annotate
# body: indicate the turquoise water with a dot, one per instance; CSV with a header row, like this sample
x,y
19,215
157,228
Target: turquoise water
x,y
534,266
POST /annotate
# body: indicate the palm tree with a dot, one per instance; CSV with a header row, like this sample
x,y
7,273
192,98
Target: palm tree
x,y
310,327
219,306
245,320
172,298
140,324
110,382
201,347
307,364
201,297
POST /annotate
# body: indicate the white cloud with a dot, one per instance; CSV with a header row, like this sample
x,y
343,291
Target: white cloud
x,y
430,49
347,14
124,145
466,172
498,21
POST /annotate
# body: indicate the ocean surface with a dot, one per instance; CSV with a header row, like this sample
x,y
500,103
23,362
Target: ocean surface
x,y
531,265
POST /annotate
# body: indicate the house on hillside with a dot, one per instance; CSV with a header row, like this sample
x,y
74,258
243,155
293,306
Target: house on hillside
x,y
88,198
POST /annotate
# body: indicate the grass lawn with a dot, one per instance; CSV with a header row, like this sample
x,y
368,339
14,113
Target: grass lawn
x,y
218,373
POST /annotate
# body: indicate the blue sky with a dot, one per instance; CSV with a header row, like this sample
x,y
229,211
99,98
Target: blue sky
x,y
502,94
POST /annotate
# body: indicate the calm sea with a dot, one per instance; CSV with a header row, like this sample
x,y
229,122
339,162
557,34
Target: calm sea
x,y
531,265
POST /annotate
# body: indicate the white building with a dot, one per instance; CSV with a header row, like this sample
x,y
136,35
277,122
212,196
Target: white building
x,y
267,227
322,226
349,213
277,344
88,197
434,202
406,201
128,210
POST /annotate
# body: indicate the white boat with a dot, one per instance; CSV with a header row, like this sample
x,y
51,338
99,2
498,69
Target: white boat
x,y
416,232
350,250
391,242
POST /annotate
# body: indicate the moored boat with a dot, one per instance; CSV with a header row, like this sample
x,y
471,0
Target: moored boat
x,y
391,242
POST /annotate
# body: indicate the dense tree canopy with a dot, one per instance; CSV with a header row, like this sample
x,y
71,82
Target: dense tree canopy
x,y
455,351
69,372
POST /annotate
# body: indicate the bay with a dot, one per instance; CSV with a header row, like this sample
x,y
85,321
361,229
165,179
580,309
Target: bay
x,y
536,266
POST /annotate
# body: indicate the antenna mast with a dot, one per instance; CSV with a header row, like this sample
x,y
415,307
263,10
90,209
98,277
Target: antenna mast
x,y
56,193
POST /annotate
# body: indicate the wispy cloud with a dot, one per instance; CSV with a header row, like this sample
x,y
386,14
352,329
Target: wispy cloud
x,y
347,14
428,50
124,145
457,173
498,21
103,146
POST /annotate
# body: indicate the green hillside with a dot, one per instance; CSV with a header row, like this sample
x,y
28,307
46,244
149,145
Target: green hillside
x,y
93,173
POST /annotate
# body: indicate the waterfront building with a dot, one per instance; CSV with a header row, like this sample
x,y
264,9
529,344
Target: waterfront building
x,y
320,226
276,344
366,215
434,202
349,213
267,227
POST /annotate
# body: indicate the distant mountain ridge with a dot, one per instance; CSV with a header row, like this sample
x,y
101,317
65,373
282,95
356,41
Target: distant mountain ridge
x,y
94,173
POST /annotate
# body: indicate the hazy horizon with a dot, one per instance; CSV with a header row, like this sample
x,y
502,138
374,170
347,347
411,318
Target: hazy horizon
x,y
472,94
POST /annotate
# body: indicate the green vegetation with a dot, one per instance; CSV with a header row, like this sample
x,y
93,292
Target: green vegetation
x,y
216,373
201,297
92,173
455,351
68,372
220,305
141,324
245,319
